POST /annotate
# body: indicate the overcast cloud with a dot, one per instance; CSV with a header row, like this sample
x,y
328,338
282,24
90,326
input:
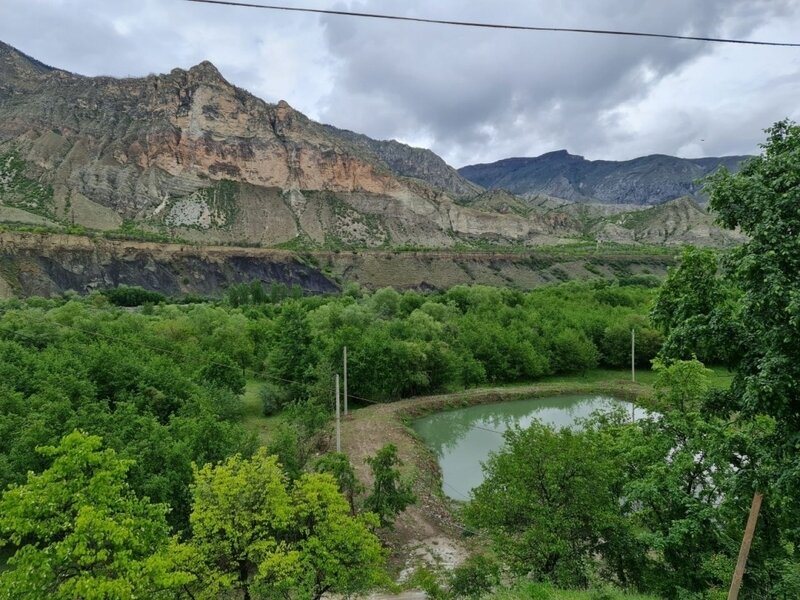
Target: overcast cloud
x,y
470,95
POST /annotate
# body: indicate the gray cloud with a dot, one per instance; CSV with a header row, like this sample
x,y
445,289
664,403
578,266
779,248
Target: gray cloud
x,y
487,94
471,95
271,54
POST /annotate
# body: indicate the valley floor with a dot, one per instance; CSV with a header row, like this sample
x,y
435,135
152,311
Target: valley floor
x,y
428,533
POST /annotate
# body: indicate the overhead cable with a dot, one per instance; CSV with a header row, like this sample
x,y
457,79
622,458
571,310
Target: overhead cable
x,y
366,15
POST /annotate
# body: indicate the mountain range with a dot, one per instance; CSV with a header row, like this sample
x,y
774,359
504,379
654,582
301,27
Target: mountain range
x,y
646,180
189,156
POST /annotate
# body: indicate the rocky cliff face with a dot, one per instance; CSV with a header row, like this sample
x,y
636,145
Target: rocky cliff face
x,y
419,163
675,222
646,180
45,265
188,155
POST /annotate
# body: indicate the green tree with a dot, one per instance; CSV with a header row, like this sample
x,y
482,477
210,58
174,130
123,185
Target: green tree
x,y
682,384
475,577
690,290
762,201
78,531
696,310
254,534
339,466
616,343
292,357
390,494
221,370
572,351
550,501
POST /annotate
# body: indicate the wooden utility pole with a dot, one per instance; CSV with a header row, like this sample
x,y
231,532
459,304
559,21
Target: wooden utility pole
x,y
744,550
338,419
345,381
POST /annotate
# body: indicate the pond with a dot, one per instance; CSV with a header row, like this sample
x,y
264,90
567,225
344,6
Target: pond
x,y
463,438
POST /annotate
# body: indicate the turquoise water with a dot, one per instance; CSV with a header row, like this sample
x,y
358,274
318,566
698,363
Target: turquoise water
x,y
462,439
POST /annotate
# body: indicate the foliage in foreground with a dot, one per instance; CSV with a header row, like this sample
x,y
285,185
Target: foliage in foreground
x,y
256,533
747,308
77,530
80,532
390,494
656,506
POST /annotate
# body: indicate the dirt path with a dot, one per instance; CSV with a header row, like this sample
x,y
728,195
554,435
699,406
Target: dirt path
x,y
427,532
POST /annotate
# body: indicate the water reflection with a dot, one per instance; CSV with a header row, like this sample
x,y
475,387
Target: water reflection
x,y
462,439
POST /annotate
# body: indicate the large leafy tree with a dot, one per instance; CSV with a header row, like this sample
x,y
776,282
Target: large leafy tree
x,y
254,534
763,200
548,508
78,531
651,504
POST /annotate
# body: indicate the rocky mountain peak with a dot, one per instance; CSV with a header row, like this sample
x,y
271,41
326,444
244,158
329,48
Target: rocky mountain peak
x,y
284,111
561,154
16,65
207,72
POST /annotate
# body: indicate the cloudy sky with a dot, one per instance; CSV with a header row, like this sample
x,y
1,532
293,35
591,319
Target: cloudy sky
x,y
470,95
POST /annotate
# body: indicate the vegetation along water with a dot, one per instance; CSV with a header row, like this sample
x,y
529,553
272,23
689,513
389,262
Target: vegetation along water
x,y
463,438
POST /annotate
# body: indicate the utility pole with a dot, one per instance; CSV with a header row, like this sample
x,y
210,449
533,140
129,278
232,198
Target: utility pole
x,y
633,371
345,381
744,550
338,419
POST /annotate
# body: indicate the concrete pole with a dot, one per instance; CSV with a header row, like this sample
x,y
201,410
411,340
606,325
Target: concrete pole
x,y
633,371
338,419
345,381
744,550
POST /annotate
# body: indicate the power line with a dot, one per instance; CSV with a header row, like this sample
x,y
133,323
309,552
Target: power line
x,y
363,15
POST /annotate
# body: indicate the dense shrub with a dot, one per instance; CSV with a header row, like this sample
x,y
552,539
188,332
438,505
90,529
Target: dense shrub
x,y
132,296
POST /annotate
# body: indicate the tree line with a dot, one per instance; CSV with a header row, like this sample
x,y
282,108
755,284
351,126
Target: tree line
x,y
126,401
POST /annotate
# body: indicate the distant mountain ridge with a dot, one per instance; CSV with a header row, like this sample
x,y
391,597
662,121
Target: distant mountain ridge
x,y
645,180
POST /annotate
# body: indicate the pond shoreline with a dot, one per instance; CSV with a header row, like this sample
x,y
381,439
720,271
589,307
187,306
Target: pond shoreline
x,y
428,529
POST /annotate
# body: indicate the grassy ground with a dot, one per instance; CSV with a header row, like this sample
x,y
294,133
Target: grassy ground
x,y
252,419
540,592
721,377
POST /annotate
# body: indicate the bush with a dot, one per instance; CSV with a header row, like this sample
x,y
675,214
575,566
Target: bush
x,y
309,415
572,351
426,580
390,493
222,371
528,590
132,296
289,446
478,575
273,399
